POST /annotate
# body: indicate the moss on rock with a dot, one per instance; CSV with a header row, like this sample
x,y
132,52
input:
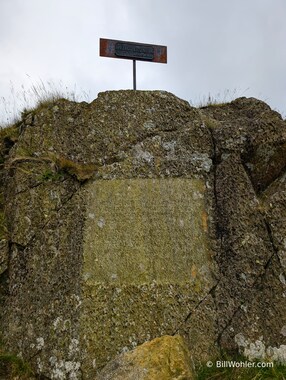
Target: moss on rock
x,y
137,216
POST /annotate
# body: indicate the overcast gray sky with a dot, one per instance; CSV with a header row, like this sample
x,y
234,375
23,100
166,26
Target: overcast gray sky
x,y
227,47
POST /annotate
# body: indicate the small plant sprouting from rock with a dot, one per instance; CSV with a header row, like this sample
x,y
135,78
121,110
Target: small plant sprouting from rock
x,y
81,171
50,175
12,367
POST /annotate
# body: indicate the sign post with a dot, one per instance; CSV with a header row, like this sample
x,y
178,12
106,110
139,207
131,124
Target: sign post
x,y
132,50
134,74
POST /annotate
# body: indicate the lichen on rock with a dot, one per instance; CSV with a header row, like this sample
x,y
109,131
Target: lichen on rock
x,y
138,216
165,358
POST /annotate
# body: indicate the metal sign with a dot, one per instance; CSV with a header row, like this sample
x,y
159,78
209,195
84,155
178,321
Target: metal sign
x,y
132,50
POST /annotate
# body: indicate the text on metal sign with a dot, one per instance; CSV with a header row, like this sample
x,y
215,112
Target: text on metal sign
x,y
135,51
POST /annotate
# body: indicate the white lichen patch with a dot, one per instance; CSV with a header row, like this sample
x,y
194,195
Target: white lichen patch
x,y
277,354
56,322
198,195
258,351
283,330
251,350
40,343
282,278
142,155
149,125
133,341
39,365
113,276
101,222
201,161
73,347
282,257
170,147
63,370
60,324
123,350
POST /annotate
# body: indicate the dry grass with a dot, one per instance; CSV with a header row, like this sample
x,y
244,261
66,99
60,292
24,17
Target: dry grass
x,y
218,99
81,171
38,94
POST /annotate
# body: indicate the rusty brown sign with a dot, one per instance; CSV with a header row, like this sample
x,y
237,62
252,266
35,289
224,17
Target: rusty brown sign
x,y
132,50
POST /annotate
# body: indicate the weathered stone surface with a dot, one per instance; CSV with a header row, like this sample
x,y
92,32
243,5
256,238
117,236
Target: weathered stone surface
x,y
4,255
4,262
165,358
138,216
249,142
273,204
42,313
249,128
200,330
261,317
8,137
145,246
36,193
261,320
81,252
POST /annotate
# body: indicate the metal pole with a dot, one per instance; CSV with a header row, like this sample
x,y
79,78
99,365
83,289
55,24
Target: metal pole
x,y
134,74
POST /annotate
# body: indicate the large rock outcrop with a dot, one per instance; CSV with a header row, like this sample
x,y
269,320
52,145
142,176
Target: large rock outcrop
x,y
138,216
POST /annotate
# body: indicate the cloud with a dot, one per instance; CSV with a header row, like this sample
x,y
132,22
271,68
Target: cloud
x,y
213,46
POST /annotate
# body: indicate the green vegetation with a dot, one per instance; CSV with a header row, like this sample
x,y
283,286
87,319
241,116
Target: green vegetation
x,y
82,172
237,369
11,132
50,175
210,122
12,367
8,137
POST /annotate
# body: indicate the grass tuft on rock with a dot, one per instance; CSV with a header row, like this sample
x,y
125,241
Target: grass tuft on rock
x,y
81,171
12,367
